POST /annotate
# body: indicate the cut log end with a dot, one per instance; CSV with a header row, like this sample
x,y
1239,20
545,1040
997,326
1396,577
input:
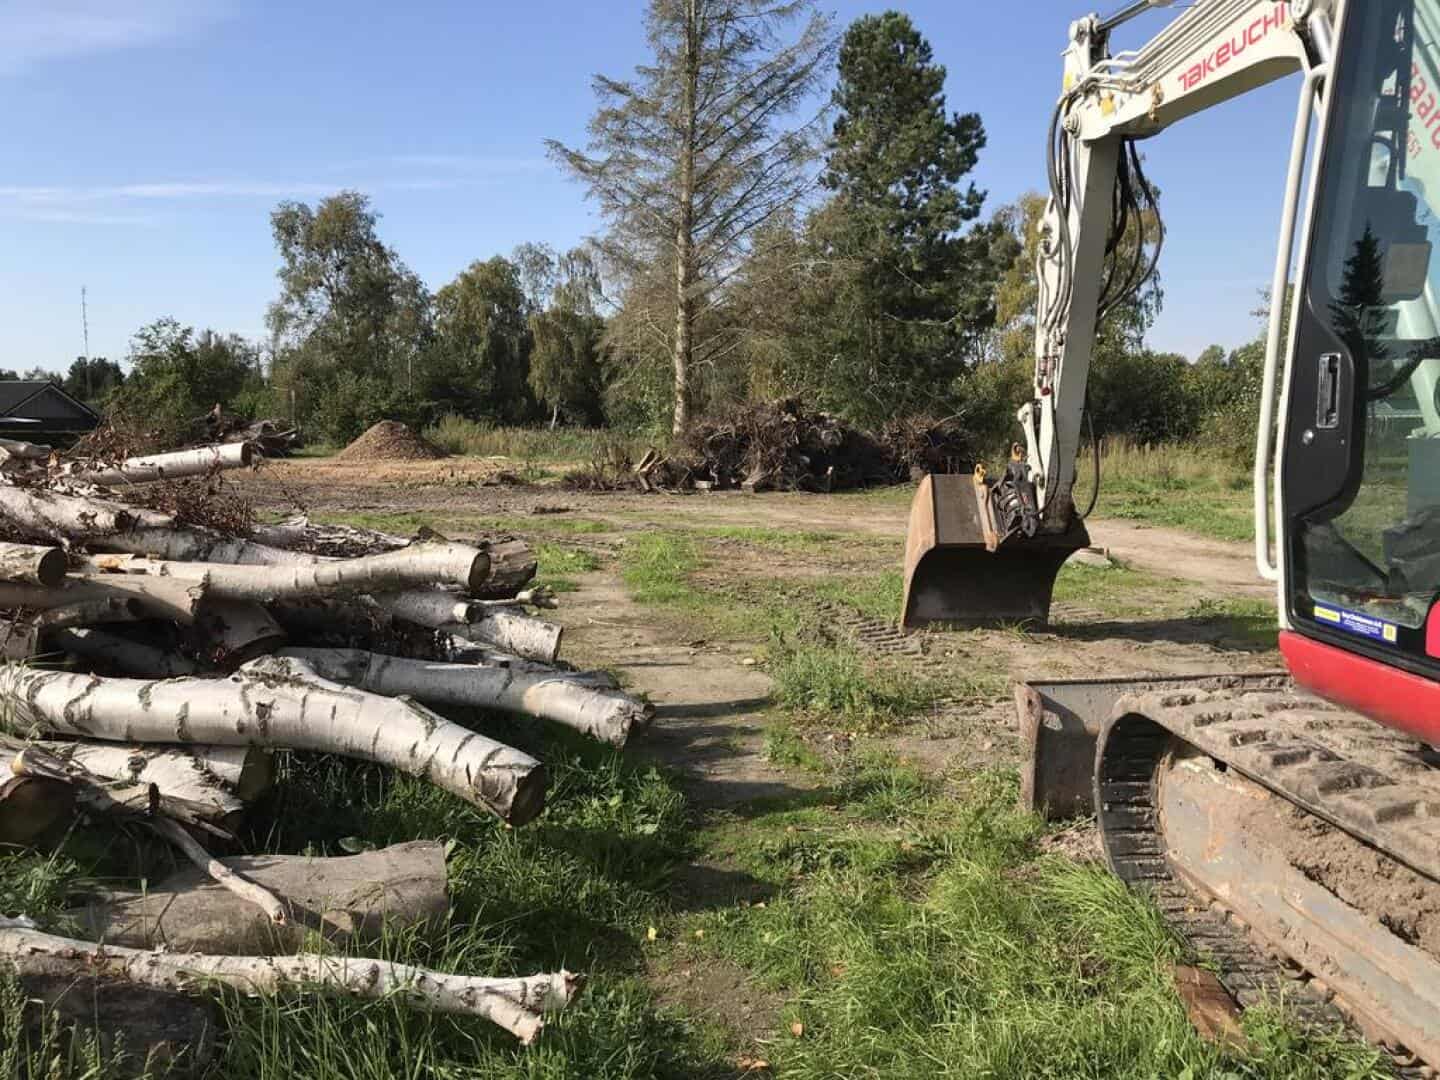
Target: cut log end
x,y
529,798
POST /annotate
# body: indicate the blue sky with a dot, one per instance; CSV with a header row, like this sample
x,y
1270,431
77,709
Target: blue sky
x,y
146,141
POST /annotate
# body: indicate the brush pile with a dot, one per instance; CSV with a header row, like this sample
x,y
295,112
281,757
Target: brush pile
x,y
156,665
782,446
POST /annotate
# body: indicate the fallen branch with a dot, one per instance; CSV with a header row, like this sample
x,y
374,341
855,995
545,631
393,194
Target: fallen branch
x,y
330,541
197,462
100,609
349,900
518,1005
224,876
275,704
433,608
604,714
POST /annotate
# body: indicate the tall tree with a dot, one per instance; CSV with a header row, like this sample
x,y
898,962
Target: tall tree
x,y
92,380
481,362
899,280
566,371
176,374
352,321
695,152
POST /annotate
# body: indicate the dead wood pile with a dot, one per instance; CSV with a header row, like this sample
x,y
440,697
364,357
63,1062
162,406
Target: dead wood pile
x,y
783,446
389,440
156,664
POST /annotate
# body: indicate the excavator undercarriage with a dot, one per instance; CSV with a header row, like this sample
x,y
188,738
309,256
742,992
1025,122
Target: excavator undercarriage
x,y
1293,842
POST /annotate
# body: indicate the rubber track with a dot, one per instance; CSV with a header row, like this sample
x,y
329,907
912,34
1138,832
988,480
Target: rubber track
x,y
1250,970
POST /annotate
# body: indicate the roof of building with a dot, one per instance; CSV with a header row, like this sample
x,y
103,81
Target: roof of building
x,y
16,393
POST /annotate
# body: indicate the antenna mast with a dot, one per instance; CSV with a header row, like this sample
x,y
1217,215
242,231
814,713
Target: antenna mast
x,y
85,330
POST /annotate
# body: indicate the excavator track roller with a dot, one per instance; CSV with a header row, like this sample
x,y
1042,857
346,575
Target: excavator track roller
x,y
960,572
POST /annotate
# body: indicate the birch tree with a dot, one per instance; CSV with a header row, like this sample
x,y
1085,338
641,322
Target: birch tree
x,y
702,146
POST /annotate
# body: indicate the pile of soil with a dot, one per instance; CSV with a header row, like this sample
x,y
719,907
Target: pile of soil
x,y
782,446
389,440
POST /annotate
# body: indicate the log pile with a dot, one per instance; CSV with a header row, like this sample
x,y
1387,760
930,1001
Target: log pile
x,y
154,666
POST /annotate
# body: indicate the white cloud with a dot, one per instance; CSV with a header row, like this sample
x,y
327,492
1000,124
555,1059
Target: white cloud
x,y
35,31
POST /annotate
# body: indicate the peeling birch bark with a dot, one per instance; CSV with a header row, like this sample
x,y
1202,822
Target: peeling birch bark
x,y
33,565
165,599
200,461
349,900
518,1005
273,703
100,799
603,714
119,653
418,565
512,632
459,651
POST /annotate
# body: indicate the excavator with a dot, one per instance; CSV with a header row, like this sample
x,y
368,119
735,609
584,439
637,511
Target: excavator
x,y
1287,823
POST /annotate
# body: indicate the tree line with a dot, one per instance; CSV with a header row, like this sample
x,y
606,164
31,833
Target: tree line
x,y
787,211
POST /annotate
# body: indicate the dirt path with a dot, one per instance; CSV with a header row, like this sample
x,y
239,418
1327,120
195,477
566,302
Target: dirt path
x,y
1228,566
708,702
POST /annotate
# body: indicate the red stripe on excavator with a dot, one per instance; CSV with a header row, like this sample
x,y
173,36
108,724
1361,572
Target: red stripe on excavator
x,y
1389,696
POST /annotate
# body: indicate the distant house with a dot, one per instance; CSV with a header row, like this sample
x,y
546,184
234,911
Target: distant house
x,y
39,411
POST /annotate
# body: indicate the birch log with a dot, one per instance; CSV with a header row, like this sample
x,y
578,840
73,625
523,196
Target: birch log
x,y
350,900
197,462
512,567
430,607
27,450
119,653
159,597
518,1005
48,513
332,541
273,704
421,564
225,778
603,714
33,565
512,632
237,631
103,609
460,651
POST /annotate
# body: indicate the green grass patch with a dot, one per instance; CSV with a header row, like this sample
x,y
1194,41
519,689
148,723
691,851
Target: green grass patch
x,y
1249,621
876,596
557,559
914,931
1179,487
802,540
832,684
576,888
656,568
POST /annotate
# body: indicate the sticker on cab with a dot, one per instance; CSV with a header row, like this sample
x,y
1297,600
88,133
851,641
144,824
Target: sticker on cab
x,y
1353,622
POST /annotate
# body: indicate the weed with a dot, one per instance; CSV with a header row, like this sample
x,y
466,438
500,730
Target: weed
x,y
457,435
833,685
656,568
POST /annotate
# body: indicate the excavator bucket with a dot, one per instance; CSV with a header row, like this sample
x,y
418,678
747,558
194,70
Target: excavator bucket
x,y
958,572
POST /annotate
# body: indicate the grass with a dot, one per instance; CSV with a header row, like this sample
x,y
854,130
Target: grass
x,y
912,929
456,435
576,888
832,683
1179,487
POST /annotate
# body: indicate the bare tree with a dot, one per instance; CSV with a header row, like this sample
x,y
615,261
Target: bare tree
x,y
699,149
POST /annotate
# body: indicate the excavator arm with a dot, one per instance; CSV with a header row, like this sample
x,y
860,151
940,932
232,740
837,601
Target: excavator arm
x,y
986,550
